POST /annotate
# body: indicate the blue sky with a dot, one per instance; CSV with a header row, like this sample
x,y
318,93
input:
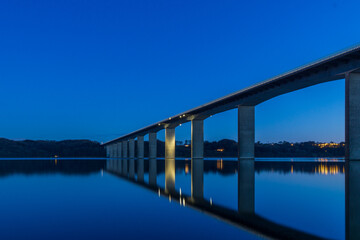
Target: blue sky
x,y
100,69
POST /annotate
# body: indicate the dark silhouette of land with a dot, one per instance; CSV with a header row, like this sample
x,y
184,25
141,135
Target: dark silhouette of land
x,y
46,149
222,148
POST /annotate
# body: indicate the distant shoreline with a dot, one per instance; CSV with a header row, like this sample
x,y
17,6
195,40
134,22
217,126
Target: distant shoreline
x,y
224,149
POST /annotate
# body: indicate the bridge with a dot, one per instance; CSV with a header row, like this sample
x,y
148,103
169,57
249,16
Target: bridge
x,y
343,65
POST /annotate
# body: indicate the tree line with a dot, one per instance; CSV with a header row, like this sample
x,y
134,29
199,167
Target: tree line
x,y
222,148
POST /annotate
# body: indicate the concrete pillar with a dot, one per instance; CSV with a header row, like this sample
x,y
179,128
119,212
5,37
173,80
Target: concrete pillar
x,y
197,178
197,138
352,116
107,151
152,145
119,150
170,143
140,146
116,153
352,200
125,156
140,169
170,174
125,149
152,171
246,132
132,148
246,186
112,152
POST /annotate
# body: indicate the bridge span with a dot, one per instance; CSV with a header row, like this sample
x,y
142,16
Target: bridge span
x,y
343,65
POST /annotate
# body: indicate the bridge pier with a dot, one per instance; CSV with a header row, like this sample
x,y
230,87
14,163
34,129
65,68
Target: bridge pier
x,y
152,145
110,151
169,143
352,116
246,132
113,151
197,178
132,148
107,151
140,146
119,150
246,186
197,138
125,149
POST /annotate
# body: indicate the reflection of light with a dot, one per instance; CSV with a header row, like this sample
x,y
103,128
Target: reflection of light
x,y
219,164
184,202
220,149
187,145
169,198
325,170
210,201
55,161
327,160
180,191
186,168
102,172
159,192
292,169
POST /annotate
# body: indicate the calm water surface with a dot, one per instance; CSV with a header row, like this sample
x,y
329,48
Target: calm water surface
x,y
151,199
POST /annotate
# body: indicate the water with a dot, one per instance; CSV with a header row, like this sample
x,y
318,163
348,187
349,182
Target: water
x,y
97,199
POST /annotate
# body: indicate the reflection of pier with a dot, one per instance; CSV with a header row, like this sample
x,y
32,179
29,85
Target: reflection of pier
x,y
352,200
244,218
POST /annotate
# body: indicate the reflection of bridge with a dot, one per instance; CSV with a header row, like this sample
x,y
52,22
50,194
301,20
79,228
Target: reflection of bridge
x,y
245,217
343,65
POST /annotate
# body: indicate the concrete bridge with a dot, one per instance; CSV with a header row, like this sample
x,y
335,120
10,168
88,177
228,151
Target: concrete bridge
x,y
343,65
